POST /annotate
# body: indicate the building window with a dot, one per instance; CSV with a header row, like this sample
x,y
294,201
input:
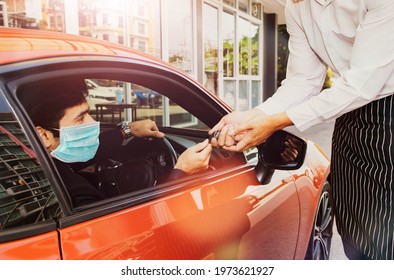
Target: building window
x,y
254,46
83,20
3,14
105,19
142,46
211,47
232,66
256,93
243,5
243,46
248,47
229,2
229,92
243,96
180,43
35,14
228,27
106,37
141,28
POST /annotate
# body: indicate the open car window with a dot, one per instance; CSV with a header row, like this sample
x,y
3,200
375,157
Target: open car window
x,y
113,101
118,92
119,166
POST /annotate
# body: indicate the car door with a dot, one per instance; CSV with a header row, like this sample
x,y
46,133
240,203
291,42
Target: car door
x,y
27,202
228,216
274,220
223,213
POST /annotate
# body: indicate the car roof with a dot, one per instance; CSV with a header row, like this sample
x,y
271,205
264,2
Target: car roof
x,y
18,45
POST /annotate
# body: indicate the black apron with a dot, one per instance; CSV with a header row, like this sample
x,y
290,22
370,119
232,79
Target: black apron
x,y
362,178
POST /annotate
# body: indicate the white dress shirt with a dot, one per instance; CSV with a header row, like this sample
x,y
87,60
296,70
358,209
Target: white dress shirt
x,y
355,38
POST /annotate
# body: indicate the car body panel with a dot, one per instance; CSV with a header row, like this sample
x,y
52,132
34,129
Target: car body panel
x,y
274,217
227,214
309,179
215,220
40,247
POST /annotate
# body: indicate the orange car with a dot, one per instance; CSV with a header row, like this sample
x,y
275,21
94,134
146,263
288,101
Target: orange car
x,y
250,205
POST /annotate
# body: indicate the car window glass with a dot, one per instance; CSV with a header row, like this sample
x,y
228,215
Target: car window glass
x,y
114,101
26,196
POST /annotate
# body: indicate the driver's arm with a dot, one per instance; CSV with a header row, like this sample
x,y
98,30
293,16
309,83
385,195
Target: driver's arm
x,y
145,129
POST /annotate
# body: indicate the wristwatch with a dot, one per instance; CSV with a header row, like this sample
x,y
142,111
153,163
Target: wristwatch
x,y
125,129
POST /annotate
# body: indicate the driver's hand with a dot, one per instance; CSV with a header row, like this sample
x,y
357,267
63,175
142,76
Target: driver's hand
x,y
145,129
195,158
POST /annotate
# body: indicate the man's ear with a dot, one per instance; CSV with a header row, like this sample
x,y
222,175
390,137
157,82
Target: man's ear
x,y
46,136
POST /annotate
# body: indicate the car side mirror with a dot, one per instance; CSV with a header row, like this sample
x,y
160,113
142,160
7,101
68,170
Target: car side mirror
x,y
282,150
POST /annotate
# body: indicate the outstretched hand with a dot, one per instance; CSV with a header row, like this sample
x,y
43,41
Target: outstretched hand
x,y
227,124
243,130
195,158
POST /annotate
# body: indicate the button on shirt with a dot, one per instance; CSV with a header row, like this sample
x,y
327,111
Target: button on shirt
x,y
355,38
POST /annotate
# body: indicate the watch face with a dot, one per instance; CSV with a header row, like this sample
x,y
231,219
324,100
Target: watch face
x,y
124,126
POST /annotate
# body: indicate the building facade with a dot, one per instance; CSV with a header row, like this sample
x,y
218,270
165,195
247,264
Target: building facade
x,y
221,43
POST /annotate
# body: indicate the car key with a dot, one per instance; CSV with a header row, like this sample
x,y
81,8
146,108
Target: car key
x,y
214,135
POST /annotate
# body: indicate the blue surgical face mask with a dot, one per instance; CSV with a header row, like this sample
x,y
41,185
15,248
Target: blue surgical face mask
x,y
78,143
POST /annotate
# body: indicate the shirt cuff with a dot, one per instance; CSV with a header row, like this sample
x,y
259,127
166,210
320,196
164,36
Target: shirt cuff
x,y
303,117
176,174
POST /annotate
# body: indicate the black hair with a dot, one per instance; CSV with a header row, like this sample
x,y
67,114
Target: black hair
x,y
47,102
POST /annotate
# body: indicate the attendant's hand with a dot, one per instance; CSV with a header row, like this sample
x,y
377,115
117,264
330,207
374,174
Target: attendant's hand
x,y
195,158
226,127
256,130
145,128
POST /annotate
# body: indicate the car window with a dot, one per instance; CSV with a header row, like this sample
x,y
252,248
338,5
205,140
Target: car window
x,y
26,196
113,101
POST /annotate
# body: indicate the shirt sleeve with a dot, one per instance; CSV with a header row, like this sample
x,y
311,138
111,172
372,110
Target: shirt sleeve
x,y
370,75
305,72
176,174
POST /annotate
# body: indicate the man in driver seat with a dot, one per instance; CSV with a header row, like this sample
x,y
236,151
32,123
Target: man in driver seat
x,y
60,113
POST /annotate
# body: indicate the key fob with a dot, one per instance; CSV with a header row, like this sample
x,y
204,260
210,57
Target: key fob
x,y
214,135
